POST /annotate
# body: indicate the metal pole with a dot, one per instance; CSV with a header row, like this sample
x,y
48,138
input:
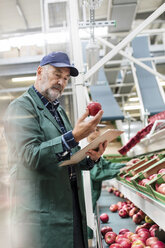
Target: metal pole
x,y
125,41
81,100
136,61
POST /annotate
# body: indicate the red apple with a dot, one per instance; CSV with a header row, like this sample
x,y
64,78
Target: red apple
x,y
158,244
161,188
125,243
137,228
113,208
144,235
152,176
161,171
128,235
144,181
94,108
106,229
153,232
116,245
127,208
134,237
119,236
119,204
124,230
138,244
123,213
142,214
153,227
142,229
137,218
104,217
117,193
110,190
151,240
146,225
133,211
110,237
121,195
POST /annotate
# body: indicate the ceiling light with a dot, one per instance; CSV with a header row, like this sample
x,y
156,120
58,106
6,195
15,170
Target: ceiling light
x,y
6,98
23,79
163,83
133,99
131,107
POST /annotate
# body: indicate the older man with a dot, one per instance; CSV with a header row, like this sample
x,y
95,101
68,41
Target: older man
x,y
47,201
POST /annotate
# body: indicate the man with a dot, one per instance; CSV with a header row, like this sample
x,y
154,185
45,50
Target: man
x,y
103,170
47,201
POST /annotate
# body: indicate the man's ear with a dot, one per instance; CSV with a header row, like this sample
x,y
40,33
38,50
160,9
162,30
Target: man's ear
x,y
39,70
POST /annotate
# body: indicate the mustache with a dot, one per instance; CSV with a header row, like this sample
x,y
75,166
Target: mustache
x,y
57,87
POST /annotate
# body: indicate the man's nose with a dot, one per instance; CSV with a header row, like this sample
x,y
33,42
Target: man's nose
x,y
61,81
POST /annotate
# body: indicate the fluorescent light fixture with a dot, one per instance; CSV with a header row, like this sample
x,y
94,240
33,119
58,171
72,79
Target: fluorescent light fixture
x,y
4,45
133,99
23,79
132,107
6,98
163,83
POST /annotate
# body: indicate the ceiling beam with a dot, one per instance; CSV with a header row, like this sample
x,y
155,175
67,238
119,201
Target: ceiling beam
x,y
124,42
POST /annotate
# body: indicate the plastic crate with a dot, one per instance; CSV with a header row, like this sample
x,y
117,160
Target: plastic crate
x,y
138,169
153,169
160,179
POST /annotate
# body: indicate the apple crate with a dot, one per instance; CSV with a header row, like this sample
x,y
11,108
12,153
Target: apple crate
x,y
135,171
153,169
160,179
121,175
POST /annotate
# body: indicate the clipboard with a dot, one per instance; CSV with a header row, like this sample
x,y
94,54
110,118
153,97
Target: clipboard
x,y
109,135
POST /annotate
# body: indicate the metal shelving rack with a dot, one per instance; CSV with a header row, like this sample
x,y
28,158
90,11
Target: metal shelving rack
x,y
153,208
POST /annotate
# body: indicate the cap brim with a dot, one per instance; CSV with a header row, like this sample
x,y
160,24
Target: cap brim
x,y
73,71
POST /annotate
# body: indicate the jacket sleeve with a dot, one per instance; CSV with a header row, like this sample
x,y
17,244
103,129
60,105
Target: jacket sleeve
x,y
26,140
105,170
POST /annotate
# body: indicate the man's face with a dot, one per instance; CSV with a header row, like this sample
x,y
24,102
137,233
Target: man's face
x,y
53,81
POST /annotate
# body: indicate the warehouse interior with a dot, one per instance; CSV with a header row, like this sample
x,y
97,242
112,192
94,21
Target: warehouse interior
x,y
118,47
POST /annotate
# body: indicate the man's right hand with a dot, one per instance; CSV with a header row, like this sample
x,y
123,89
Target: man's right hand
x,y
83,128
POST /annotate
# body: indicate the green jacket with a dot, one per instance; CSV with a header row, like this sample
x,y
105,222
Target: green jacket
x,y
103,170
41,197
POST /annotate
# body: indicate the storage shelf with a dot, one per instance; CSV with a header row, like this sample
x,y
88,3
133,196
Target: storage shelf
x,y
154,209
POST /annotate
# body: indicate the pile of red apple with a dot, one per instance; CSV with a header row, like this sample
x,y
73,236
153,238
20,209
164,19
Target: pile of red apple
x,y
115,191
144,236
128,209
158,187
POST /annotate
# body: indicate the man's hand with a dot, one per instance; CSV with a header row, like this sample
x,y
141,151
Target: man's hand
x,y
95,155
132,161
83,128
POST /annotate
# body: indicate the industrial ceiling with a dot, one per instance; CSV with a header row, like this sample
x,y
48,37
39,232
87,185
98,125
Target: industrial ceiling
x,y
20,20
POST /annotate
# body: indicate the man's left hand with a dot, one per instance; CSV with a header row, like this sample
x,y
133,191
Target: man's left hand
x,y
96,154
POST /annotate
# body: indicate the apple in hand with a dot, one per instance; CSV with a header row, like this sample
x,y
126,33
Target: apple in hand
x,y
110,237
106,229
94,108
104,217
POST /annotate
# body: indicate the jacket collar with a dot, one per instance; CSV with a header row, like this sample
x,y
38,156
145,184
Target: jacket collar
x,y
42,107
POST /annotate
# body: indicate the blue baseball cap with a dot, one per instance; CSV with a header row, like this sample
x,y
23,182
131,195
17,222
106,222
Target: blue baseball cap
x,y
59,59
